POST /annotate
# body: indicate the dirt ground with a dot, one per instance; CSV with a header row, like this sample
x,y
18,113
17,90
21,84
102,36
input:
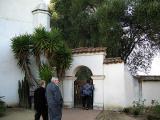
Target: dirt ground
x,y
70,114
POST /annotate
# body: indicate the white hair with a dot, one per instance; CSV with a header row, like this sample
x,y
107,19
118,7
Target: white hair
x,y
54,78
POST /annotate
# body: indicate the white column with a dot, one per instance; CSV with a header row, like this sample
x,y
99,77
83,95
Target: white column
x,y
41,16
68,91
98,98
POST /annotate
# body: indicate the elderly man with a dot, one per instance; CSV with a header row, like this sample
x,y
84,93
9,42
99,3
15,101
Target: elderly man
x,y
54,99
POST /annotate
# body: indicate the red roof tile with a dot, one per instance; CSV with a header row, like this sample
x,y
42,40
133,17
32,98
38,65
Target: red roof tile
x,y
88,50
112,60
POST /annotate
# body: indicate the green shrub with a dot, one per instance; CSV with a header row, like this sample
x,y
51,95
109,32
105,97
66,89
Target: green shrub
x,y
126,110
46,72
157,109
138,107
136,111
2,107
153,117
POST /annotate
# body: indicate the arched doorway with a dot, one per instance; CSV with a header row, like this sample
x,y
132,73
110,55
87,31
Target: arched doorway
x,y
83,74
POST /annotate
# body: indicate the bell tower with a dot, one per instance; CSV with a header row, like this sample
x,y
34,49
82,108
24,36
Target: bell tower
x,y
41,16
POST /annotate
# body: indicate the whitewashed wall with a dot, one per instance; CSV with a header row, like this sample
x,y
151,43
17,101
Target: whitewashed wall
x,y
114,86
98,100
18,10
131,88
94,61
15,18
68,92
150,91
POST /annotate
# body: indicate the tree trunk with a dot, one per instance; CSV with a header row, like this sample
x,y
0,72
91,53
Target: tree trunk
x,y
31,80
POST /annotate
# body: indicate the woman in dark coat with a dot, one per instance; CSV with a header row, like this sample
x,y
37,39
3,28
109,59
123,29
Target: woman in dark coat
x,y
40,102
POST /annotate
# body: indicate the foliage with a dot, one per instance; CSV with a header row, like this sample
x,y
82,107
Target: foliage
x,y
150,112
42,44
62,60
20,48
23,92
52,45
127,110
138,107
39,41
154,111
46,72
2,107
144,30
153,117
123,26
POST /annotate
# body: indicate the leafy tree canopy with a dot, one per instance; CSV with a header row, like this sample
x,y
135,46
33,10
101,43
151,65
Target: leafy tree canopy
x,y
128,28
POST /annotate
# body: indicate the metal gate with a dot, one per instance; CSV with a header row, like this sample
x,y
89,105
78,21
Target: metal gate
x,y
77,94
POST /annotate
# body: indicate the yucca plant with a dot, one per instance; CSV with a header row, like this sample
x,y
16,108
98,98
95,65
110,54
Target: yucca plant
x,y
40,40
55,42
21,49
51,45
62,60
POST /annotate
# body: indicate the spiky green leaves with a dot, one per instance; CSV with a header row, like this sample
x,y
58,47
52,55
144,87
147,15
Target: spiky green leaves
x,y
42,42
21,49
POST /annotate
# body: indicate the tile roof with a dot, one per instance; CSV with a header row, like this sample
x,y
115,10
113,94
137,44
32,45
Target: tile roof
x,y
112,60
148,77
88,50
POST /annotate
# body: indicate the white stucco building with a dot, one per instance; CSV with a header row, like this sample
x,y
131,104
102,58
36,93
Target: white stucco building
x,y
16,17
114,86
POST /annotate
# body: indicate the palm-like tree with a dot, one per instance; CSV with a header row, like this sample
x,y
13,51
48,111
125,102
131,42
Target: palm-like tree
x,y
52,45
21,49
62,60
39,39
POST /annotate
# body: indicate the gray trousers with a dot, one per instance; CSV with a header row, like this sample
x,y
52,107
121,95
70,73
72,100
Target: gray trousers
x,y
55,113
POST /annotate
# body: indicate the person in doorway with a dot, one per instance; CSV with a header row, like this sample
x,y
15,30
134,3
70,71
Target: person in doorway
x,y
54,100
86,92
40,102
91,99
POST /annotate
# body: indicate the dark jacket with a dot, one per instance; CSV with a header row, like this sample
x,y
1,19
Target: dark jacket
x,y
40,101
55,101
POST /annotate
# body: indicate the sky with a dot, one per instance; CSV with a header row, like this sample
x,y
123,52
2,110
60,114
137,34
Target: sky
x,y
155,69
46,1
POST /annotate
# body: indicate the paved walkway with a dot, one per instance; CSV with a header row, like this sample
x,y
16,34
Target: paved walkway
x,y
68,114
